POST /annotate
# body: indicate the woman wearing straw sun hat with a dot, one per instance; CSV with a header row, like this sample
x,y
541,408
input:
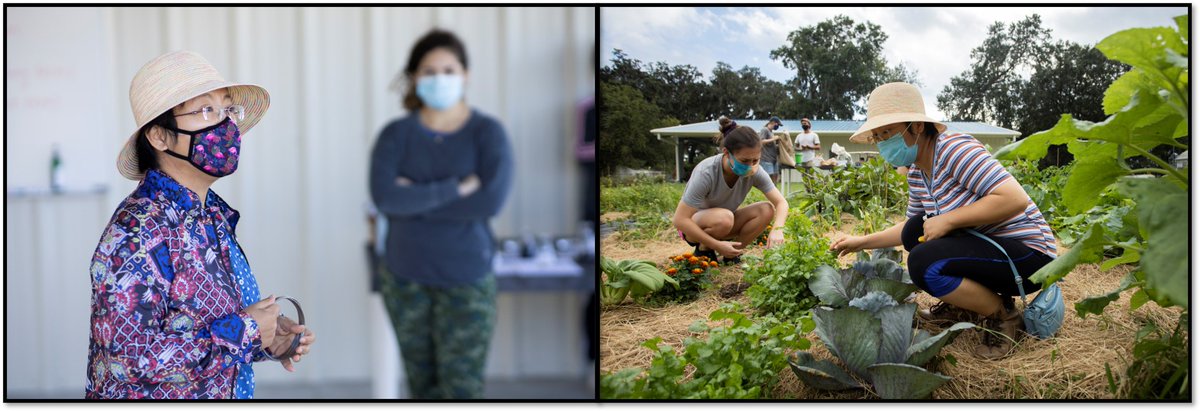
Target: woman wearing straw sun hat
x,y
175,308
970,191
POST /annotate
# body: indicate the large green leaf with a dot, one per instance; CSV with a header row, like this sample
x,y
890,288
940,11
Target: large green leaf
x,y
897,290
879,268
1096,304
924,349
904,381
1089,248
1145,121
851,334
827,285
822,375
1182,23
897,332
1161,205
1036,145
1117,95
1146,49
1089,177
1129,257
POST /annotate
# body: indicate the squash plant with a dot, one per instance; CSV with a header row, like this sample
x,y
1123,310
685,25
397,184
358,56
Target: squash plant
x,y
1147,107
634,278
864,325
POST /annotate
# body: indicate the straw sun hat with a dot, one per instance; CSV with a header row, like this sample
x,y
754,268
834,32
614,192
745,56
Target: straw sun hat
x,y
172,79
893,103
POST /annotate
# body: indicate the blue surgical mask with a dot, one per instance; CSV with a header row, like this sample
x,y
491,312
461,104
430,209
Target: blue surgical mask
x,y
738,167
440,91
897,152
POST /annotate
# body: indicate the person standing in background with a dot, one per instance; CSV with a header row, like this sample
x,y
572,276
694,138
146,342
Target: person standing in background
x,y
808,144
770,152
439,174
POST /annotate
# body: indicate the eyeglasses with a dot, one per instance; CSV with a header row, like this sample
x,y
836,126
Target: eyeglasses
x,y
886,134
210,113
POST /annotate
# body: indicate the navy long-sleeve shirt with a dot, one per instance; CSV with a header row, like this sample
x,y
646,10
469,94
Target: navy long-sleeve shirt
x,y
435,237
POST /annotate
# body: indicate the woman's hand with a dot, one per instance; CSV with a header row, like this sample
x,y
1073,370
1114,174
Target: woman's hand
x,y
729,249
285,333
848,244
264,312
937,227
775,238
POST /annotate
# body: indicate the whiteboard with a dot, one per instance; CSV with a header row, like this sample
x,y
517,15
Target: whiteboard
x,y
59,91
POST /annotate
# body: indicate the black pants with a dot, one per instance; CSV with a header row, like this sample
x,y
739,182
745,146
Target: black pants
x,y
938,266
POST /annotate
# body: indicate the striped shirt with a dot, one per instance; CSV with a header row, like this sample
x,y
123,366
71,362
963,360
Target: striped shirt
x,y
964,172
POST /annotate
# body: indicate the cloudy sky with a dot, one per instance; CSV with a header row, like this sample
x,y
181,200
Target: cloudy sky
x,y
936,41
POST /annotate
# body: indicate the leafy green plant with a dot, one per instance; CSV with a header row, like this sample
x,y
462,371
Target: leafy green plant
x,y
1147,107
871,333
779,281
740,360
633,278
871,190
1155,351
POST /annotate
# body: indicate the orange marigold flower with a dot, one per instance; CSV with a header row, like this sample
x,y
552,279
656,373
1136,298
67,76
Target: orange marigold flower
x,y
687,255
672,271
697,271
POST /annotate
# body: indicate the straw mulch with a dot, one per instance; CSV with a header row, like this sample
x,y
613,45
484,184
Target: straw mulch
x,y
1071,365
624,327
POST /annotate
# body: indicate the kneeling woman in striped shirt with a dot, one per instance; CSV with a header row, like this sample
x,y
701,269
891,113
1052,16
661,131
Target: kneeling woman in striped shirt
x,y
954,184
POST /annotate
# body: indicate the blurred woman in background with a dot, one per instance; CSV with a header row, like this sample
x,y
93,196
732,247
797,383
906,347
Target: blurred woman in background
x,y
439,174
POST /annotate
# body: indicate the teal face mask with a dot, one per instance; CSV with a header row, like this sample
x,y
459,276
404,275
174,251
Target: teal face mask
x,y
737,166
896,151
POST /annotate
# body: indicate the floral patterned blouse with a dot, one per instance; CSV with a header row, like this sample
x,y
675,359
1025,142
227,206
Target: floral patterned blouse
x,y
169,281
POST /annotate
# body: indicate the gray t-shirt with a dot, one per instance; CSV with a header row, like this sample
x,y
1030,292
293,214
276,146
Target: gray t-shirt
x,y
707,188
770,154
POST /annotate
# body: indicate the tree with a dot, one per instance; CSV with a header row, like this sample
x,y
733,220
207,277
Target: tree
x,y
838,63
1021,79
1069,79
990,90
680,91
745,93
626,119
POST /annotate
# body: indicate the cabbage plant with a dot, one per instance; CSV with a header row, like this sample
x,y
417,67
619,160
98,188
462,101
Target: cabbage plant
x,y
865,326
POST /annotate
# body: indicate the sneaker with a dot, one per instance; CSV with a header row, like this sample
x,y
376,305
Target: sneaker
x,y
711,254
944,312
1000,333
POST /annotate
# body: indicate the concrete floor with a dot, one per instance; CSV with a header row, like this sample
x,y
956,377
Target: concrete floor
x,y
529,389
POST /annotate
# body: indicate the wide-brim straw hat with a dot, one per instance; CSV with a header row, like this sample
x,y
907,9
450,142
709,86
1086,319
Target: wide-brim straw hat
x,y
893,103
172,79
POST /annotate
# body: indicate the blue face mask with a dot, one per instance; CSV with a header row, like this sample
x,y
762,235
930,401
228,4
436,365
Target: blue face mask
x,y
897,152
737,166
440,91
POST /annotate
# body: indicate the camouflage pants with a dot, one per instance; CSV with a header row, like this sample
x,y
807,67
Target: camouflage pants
x,y
443,334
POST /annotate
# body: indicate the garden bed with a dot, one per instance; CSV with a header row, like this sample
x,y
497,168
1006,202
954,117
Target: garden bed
x,y
1071,365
